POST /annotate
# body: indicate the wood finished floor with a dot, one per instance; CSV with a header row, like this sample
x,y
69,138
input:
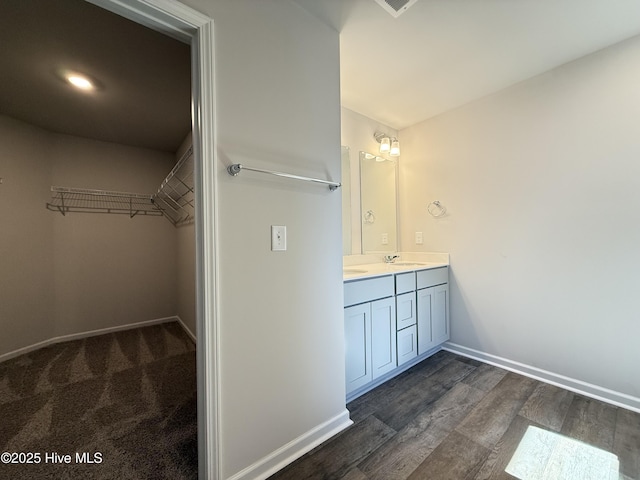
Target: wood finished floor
x,y
450,417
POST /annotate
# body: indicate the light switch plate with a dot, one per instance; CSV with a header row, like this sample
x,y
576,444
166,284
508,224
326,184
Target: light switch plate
x,y
278,238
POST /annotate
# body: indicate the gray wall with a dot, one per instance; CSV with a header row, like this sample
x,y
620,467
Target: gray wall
x,y
541,184
281,330
80,272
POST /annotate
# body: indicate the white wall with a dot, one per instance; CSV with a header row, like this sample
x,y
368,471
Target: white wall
x,y
186,263
186,279
110,270
71,274
357,134
26,294
543,197
281,335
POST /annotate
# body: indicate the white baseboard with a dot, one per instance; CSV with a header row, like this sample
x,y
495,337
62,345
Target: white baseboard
x,y
92,333
587,389
186,329
267,466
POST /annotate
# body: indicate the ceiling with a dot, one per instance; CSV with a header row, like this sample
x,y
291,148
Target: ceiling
x,y
441,54
144,94
438,55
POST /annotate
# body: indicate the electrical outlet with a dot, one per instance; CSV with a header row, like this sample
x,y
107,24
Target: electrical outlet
x,y
418,238
385,239
278,238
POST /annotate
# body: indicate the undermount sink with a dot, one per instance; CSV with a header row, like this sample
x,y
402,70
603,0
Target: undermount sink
x,y
406,264
352,271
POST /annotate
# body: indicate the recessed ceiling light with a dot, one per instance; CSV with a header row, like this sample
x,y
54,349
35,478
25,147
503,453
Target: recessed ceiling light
x,y
80,81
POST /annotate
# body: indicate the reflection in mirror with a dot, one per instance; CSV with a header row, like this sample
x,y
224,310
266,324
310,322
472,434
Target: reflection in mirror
x,y
346,202
378,204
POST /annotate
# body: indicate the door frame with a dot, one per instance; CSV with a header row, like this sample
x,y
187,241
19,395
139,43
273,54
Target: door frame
x,y
185,24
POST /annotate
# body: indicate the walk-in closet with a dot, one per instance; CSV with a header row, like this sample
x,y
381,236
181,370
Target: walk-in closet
x,y
97,285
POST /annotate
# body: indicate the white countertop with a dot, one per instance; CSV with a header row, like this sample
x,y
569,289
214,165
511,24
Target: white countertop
x,y
357,272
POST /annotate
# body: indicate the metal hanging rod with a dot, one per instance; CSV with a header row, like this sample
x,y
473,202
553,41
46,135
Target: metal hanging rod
x,y
234,170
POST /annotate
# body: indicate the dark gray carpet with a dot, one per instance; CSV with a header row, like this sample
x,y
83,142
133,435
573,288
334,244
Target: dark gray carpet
x,y
129,396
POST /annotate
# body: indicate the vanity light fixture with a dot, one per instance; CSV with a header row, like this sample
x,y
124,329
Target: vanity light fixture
x,y
388,144
385,145
395,148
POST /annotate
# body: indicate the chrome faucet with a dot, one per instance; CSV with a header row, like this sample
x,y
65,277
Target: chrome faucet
x,y
390,258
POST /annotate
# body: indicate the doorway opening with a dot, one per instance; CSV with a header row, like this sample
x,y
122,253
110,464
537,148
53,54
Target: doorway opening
x,y
194,29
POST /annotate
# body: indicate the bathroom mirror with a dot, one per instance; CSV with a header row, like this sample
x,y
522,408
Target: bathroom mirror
x,y
346,202
378,204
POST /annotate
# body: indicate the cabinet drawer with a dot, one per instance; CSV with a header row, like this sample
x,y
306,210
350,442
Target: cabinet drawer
x,y
405,282
360,291
434,276
405,310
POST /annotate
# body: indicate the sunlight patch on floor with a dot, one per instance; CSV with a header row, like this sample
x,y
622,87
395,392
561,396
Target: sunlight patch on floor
x,y
544,455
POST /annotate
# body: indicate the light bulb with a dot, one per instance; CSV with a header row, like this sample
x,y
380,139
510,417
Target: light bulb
x,y
385,145
79,81
395,148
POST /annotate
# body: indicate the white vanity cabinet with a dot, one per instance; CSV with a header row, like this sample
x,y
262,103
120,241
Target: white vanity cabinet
x,y
433,308
370,330
392,322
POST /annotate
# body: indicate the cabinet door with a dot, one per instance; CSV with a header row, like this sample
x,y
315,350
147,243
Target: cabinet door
x,y
383,336
425,309
407,344
357,334
440,314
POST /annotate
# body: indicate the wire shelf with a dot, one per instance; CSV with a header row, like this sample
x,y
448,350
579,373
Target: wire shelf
x,y
65,200
173,200
175,196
